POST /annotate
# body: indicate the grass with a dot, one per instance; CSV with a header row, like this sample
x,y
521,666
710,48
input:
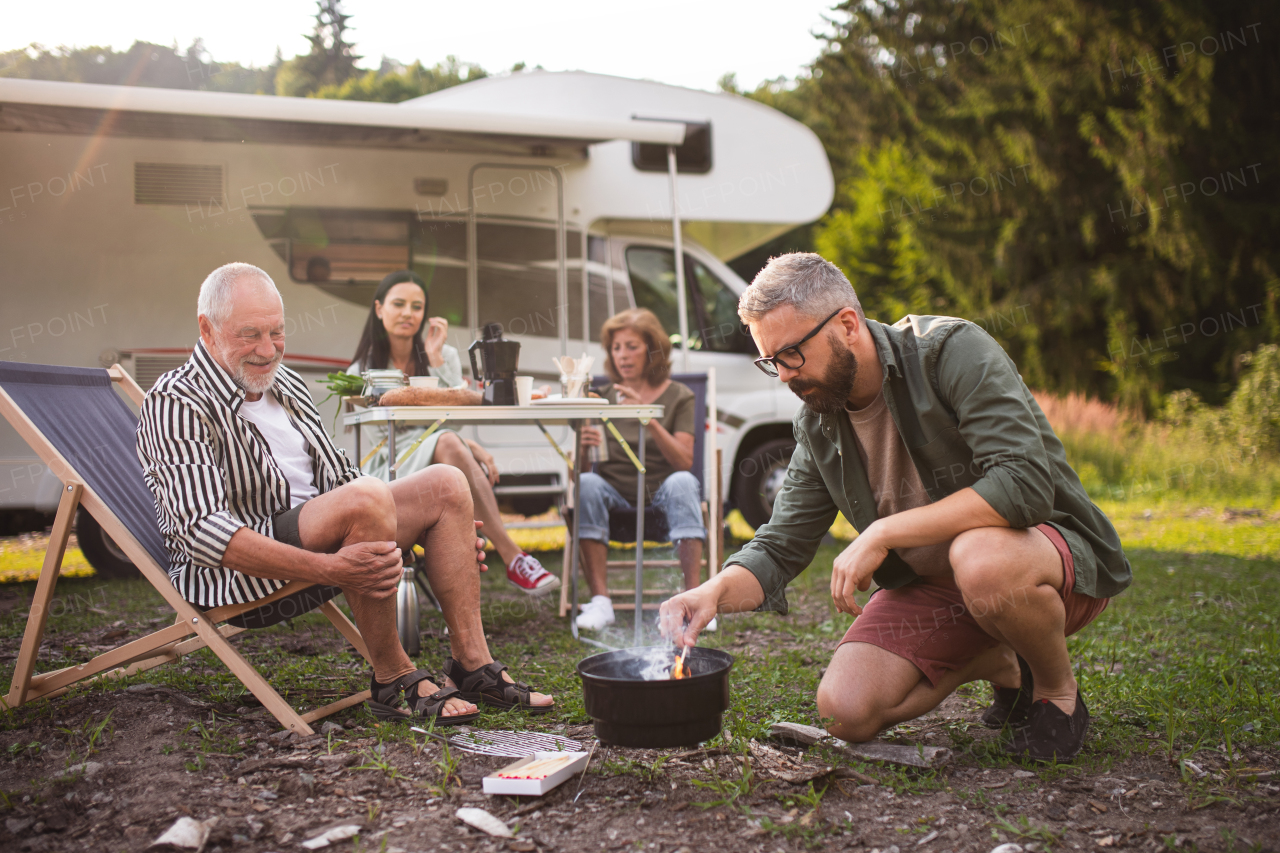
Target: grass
x,y
1184,663
1181,527
725,792
1024,830
1182,667
89,736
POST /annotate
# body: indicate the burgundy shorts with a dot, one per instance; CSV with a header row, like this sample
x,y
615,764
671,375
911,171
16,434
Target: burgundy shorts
x,y
928,624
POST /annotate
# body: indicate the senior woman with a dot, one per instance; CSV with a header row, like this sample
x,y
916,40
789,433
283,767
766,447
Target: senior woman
x,y
393,337
638,360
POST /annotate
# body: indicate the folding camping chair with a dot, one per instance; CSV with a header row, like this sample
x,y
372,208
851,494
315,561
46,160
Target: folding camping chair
x,y
622,522
84,432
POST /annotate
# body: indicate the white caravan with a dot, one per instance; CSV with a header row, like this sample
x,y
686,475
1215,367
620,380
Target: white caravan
x,y
542,201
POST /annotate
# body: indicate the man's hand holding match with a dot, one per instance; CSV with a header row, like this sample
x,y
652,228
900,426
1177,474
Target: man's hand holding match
x,y
733,590
682,617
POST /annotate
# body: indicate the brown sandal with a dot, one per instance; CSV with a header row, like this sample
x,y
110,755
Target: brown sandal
x,y
486,686
385,701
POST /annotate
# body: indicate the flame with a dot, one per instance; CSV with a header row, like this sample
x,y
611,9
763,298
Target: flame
x,y
678,670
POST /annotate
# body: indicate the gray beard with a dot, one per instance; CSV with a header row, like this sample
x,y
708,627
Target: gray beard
x,y
253,384
830,393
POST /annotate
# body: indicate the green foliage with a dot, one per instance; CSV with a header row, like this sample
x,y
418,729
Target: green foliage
x,y
1192,451
1053,155
327,70
1250,420
400,84
867,236
143,64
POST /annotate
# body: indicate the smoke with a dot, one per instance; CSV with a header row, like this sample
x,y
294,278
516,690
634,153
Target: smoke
x,y
656,662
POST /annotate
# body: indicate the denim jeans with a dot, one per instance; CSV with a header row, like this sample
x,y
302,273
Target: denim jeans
x,y
678,497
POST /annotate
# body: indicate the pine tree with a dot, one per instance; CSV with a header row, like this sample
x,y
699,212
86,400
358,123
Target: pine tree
x,y
331,60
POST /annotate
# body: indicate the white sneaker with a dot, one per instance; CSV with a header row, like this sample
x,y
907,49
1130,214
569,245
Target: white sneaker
x,y
596,614
711,626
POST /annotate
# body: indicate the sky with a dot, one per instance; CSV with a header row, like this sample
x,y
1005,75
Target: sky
x,y
685,43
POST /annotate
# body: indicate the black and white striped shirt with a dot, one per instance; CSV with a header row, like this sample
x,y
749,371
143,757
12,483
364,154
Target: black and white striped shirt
x,y
211,472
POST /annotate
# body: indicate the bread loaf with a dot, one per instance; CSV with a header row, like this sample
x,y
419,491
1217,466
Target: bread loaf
x,y
430,397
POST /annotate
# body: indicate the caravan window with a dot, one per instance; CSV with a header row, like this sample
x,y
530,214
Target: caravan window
x,y
517,278
344,252
348,252
346,247
653,282
721,327
693,156
603,303
712,306
440,257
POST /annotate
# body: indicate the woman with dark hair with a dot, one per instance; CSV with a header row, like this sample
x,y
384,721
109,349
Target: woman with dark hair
x,y
638,360
393,338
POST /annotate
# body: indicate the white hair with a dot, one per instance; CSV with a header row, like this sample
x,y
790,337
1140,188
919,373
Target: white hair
x,y
809,282
215,292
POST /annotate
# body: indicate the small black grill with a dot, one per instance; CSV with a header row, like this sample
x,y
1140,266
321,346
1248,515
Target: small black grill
x,y
629,711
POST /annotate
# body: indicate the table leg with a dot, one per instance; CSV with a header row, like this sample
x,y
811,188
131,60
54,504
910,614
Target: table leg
x,y
640,496
391,451
575,475
358,457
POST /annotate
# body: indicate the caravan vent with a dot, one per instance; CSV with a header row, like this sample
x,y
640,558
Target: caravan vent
x,y
148,368
177,183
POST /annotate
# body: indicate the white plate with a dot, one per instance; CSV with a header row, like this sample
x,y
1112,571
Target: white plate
x,y
571,401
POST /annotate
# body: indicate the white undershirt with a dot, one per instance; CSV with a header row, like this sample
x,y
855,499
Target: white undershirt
x,y
288,446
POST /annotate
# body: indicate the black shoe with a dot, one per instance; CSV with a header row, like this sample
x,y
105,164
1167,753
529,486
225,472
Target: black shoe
x,y
1011,704
1050,734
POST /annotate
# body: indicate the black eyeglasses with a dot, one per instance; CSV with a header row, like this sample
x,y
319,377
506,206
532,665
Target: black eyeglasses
x,y
785,356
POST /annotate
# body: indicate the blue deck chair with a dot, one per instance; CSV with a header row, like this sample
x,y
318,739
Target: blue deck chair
x,y
622,522
84,432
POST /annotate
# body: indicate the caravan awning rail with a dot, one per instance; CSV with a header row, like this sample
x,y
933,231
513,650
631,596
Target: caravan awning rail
x,y
40,106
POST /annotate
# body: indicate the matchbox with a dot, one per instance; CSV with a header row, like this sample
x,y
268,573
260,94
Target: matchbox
x,y
535,775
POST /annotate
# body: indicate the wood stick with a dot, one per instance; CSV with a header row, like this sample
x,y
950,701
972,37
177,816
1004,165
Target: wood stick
x,y
911,756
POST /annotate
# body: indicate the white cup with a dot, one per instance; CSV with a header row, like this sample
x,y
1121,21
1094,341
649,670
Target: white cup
x,y
524,390
424,381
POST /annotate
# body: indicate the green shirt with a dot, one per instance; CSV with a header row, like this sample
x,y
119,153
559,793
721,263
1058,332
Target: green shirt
x,y
968,421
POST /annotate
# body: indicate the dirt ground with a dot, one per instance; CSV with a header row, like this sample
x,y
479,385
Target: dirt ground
x,y
279,791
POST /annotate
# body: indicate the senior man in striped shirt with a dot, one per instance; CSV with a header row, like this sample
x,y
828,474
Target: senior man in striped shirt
x,y
251,493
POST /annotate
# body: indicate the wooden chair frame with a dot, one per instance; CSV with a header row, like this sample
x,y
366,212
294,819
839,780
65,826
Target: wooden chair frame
x,y
193,629
712,520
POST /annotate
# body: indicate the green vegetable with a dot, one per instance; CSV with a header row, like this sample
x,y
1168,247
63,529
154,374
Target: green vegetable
x,y
342,384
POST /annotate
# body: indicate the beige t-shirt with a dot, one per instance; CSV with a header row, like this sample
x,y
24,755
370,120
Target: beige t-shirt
x,y
895,482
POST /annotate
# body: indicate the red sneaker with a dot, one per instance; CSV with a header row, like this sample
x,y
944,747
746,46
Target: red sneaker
x,y
527,573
